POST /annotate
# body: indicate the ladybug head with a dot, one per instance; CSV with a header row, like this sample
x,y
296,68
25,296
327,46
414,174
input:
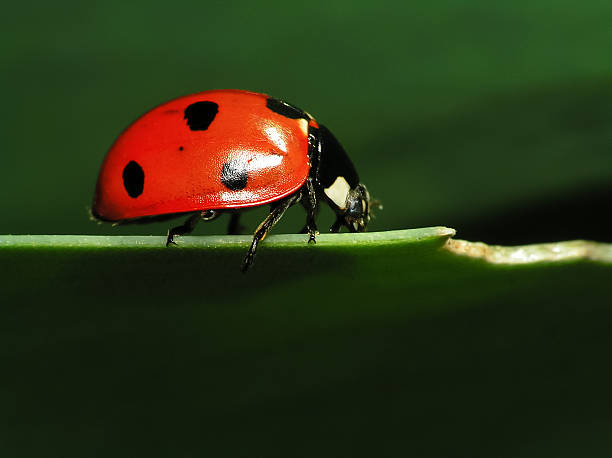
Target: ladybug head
x,y
357,214
339,181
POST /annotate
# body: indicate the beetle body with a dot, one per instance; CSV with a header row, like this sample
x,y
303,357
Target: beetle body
x,y
226,150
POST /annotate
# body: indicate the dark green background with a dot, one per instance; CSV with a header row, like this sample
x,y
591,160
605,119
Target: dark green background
x,y
478,115
450,110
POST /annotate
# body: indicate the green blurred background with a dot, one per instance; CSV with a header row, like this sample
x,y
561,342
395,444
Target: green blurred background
x,y
455,113
490,117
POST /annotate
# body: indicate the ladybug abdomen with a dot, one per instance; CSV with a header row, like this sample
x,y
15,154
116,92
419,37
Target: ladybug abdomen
x,y
212,150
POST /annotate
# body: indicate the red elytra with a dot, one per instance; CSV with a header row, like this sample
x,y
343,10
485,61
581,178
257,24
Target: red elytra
x,y
221,151
183,167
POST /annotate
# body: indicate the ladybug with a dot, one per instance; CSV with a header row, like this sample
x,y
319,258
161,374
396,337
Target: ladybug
x,y
222,151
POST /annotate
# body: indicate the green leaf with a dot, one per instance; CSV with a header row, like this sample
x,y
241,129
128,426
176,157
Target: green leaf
x,y
368,344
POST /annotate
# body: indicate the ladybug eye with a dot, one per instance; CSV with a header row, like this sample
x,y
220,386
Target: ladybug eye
x,y
356,208
133,179
199,115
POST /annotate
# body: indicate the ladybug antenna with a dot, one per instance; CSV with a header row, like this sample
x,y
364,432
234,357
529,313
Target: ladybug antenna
x,y
375,204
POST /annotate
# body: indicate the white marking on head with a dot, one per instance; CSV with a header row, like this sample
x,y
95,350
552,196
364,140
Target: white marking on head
x,y
338,192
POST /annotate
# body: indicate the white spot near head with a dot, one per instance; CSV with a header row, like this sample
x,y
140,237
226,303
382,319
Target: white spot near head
x,y
338,192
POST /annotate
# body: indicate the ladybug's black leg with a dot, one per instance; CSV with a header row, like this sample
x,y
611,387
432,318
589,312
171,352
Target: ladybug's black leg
x,y
337,224
276,213
190,225
309,201
234,226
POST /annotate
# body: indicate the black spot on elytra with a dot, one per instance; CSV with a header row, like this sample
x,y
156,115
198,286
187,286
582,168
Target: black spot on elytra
x,y
285,109
199,115
181,148
234,175
133,179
